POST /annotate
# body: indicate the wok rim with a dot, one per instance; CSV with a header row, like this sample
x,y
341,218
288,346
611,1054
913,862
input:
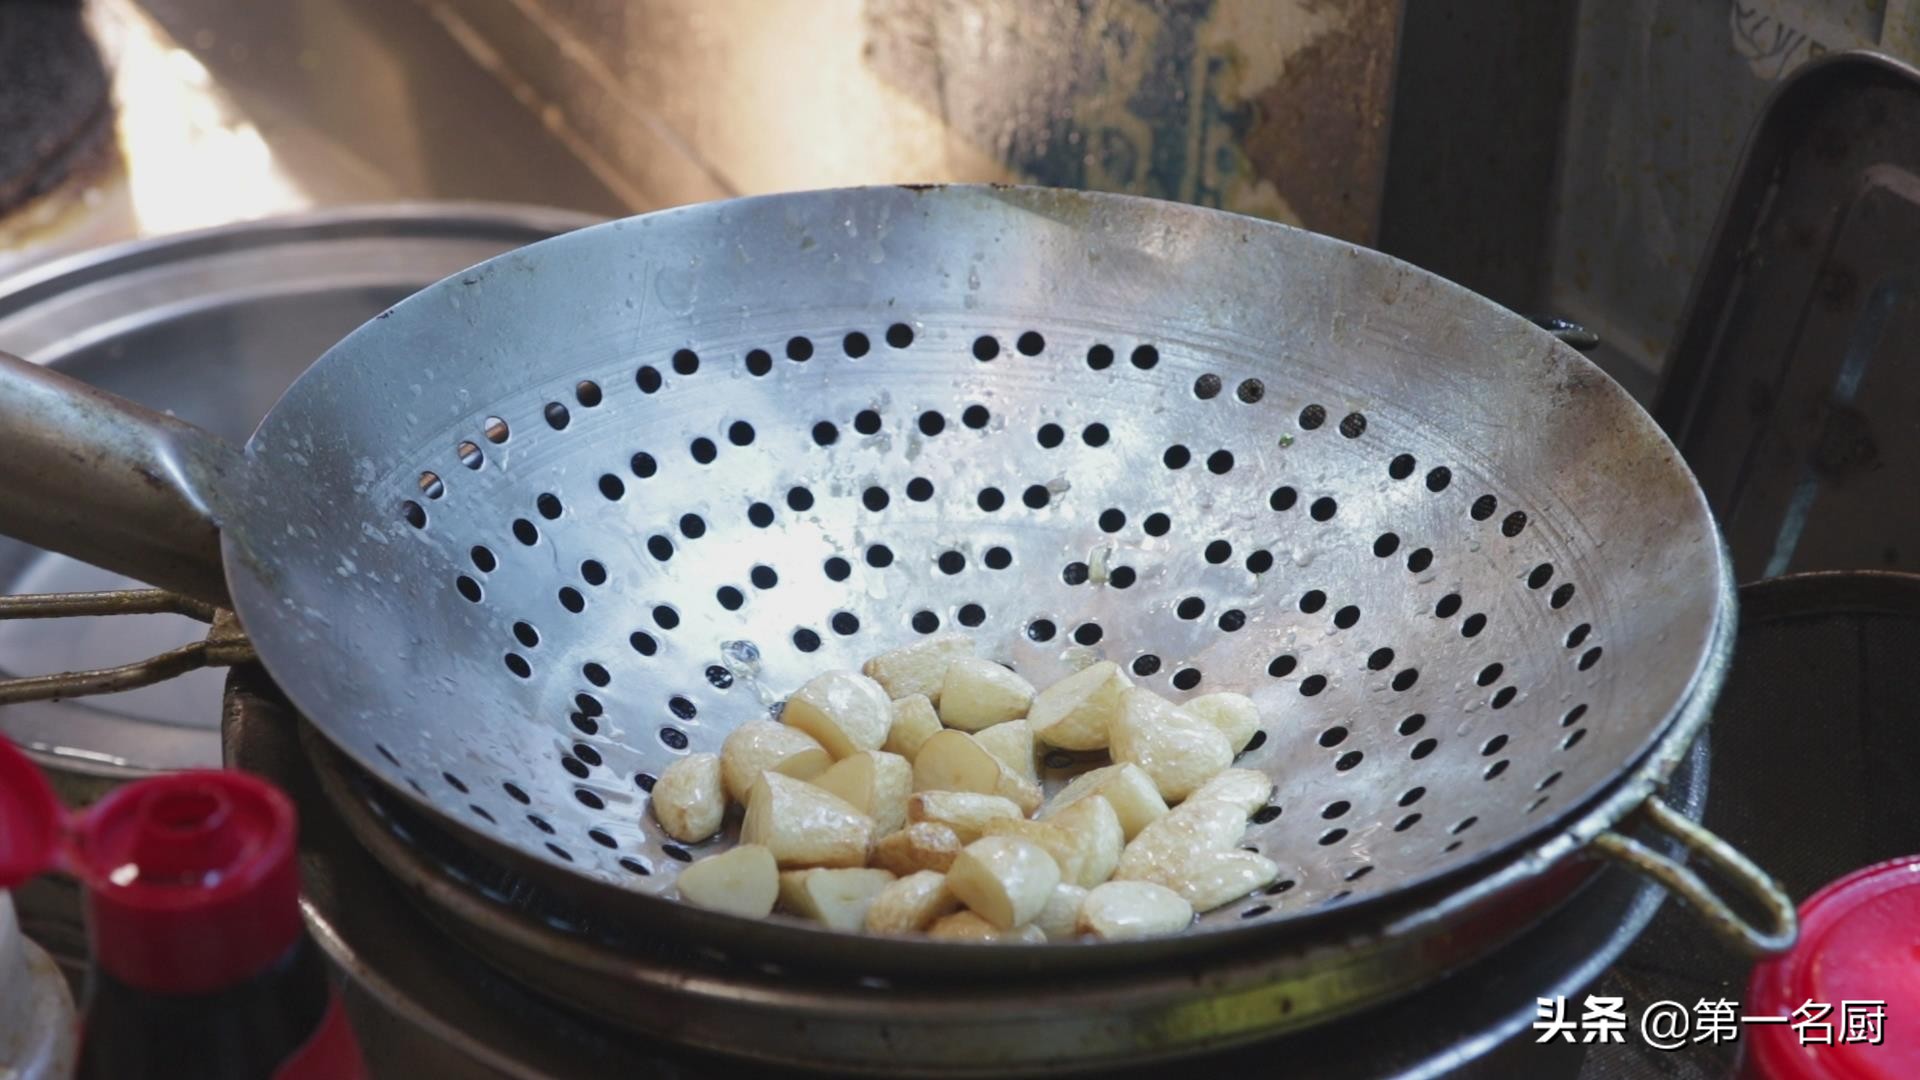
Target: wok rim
x,y
1570,828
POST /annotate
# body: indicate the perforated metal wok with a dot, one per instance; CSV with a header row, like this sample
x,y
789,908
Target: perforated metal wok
x,y
522,541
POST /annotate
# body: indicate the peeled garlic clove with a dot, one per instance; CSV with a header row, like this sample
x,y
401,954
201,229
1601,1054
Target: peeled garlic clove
x,y
845,712
804,826
759,746
1059,919
689,800
1126,787
978,694
914,722
1012,743
1162,848
1209,879
1075,712
742,881
1124,910
955,761
1244,788
922,845
836,899
967,926
875,783
1004,879
918,668
1018,790
1096,829
1233,715
1063,845
910,904
1179,751
965,812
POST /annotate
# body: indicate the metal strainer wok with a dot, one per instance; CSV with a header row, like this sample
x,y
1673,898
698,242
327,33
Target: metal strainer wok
x,y
525,539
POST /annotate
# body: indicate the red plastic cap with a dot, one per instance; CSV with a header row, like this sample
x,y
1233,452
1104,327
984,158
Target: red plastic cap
x,y
32,822
191,878
1859,942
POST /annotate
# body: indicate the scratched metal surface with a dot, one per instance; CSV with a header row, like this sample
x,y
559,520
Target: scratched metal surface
x,y
502,546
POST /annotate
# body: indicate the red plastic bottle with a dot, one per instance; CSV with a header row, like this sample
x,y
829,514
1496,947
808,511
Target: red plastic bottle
x,y
201,966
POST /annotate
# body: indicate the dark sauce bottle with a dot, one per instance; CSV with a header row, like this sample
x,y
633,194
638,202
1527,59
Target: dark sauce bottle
x,y
201,966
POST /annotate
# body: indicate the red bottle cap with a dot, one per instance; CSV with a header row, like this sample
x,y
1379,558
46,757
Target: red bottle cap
x,y
191,880
1859,942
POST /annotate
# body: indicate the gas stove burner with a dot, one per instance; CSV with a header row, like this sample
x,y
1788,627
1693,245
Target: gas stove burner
x,y
56,116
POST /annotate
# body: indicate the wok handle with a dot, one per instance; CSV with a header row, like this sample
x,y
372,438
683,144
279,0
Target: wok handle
x,y
1782,923
111,483
224,646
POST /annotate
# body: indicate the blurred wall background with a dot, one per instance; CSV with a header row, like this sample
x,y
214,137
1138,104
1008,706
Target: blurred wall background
x,y
1562,156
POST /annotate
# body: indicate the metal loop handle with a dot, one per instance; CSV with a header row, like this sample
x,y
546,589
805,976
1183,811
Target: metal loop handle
x,y
225,644
1783,924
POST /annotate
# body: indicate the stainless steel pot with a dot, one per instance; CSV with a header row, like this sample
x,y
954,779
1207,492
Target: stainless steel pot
x,y
210,327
